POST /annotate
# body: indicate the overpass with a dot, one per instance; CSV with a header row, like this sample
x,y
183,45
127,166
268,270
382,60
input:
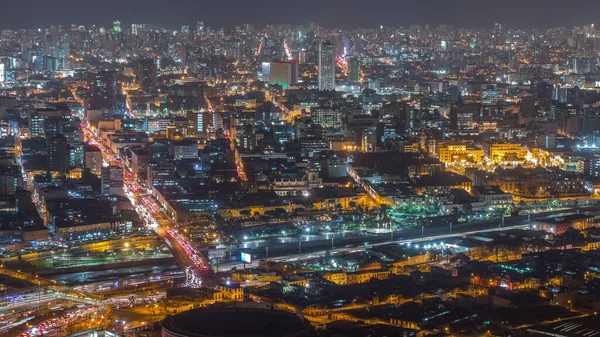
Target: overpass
x,y
58,290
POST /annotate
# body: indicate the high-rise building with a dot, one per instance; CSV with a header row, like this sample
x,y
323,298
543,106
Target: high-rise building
x,y
283,73
69,128
160,174
93,159
490,96
233,49
36,125
592,167
580,65
112,181
353,69
369,140
202,122
11,179
444,46
117,26
326,66
104,90
327,117
185,29
200,28
185,149
217,121
76,155
266,72
146,75
58,153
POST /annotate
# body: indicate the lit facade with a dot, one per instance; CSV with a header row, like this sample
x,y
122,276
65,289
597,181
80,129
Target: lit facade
x,y
505,152
461,153
326,66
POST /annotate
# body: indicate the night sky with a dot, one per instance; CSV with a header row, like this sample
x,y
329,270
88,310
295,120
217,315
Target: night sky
x,y
329,13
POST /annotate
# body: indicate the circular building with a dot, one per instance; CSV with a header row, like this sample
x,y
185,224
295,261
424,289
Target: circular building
x,y
236,322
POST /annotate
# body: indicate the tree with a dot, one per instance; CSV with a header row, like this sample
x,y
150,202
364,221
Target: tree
x,y
369,92
277,212
299,211
497,245
532,190
434,254
455,211
245,212
535,245
467,208
360,209
572,237
514,245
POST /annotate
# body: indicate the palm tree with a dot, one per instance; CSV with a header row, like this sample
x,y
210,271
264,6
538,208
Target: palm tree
x,y
497,246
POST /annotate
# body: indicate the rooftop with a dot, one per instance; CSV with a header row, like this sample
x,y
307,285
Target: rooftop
x,y
237,322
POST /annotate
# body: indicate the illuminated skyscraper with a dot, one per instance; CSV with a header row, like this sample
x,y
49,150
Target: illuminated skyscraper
x,y
266,71
146,74
233,49
104,90
490,96
58,153
326,66
117,26
200,28
202,122
353,69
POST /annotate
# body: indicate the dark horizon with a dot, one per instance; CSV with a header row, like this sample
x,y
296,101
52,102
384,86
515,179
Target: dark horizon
x,y
327,13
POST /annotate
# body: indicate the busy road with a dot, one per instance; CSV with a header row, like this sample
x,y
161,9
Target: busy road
x,y
151,212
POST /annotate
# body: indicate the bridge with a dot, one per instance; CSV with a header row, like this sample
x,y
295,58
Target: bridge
x,y
58,290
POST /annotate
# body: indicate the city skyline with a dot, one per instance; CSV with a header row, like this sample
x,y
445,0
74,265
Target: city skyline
x,y
330,14
221,169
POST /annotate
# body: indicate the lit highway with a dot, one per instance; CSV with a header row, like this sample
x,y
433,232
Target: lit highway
x,y
56,326
58,289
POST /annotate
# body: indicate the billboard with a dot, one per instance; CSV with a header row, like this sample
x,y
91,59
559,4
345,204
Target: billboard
x,y
246,258
116,177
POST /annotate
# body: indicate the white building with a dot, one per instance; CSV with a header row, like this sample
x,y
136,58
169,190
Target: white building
x,y
326,66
